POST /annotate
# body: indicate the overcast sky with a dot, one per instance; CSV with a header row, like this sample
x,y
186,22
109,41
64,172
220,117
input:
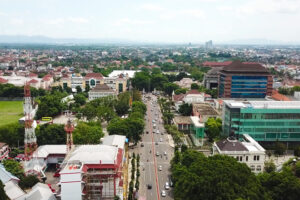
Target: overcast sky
x,y
155,20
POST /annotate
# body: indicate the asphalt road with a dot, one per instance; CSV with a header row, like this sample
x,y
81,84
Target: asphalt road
x,y
149,162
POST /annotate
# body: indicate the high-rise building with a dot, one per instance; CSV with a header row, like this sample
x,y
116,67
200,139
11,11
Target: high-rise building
x,y
262,120
244,80
209,44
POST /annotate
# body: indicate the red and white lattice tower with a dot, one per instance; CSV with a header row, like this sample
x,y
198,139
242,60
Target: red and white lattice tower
x,y
69,128
30,138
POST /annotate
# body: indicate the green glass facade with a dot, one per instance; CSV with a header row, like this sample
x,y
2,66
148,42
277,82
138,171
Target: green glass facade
x,y
197,131
263,124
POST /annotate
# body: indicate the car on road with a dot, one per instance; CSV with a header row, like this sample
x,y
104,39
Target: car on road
x,y
142,144
149,186
160,168
157,153
156,143
147,132
165,153
157,131
163,193
167,186
160,139
153,121
170,181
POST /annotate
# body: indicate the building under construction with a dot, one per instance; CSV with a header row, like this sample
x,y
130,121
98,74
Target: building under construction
x,y
94,171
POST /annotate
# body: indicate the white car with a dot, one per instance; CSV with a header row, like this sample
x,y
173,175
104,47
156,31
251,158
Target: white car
x,y
167,186
165,153
160,168
163,193
157,153
160,139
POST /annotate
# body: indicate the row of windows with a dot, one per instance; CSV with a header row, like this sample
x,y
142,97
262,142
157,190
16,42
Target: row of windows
x,y
274,130
267,123
248,95
247,82
248,90
271,116
240,158
249,86
249,77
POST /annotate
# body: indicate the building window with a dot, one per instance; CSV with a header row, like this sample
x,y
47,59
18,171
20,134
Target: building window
x,y
247,158
241,158
257,158
252,167
254,158
258,168
237,158
92,82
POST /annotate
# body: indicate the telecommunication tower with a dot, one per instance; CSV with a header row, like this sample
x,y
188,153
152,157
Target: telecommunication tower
x,y
30,138
69,128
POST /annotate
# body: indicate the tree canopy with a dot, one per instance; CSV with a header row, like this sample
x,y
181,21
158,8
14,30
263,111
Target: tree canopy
x,y
186,109
50,134
87,133
213,128
198,177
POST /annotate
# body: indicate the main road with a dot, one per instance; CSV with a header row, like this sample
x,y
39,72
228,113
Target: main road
x,y
156,150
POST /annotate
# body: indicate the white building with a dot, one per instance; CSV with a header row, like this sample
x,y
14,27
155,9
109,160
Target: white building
x,y
101,90
94,171
246,151
129,73
192,96
76,80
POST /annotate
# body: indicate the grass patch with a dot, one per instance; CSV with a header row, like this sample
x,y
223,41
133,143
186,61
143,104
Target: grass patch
x,y
10,111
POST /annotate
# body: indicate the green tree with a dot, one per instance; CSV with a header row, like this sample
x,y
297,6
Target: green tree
x,y
185,109
194,86
80,99
122,105
141,81
180,91
14,167
138,106
217,177
213,128
50,134
105,113
78,89
158,80
3,195
169,88
87,133
270,166
28,181
12,134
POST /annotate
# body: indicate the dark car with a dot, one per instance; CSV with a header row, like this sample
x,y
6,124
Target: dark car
x,y
149,186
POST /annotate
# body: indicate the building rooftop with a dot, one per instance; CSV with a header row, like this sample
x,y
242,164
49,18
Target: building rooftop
x,y
246,67
6,176
95,154
130,73
263,104
230,144
182,120
216,64
40,191
196,121
114,140
45,150
102,88
94,75
204,109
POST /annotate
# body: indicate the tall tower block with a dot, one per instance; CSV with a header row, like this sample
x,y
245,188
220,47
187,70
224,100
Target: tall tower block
x,y
69,128
30,138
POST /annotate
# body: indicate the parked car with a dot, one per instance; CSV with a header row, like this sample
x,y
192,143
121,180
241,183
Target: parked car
x,y
167,186
149,186
160,168
157,153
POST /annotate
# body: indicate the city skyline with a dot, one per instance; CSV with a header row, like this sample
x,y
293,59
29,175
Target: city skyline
x,y
166,21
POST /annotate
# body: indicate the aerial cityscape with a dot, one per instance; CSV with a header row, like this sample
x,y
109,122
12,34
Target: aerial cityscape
x,y
150,100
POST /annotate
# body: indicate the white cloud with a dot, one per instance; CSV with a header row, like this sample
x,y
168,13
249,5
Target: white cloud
x,y
3,14
191,13
16,21
270,7
196,13
152,7
78,20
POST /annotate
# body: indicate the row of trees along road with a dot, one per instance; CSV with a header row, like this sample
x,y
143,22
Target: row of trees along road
x,y
149,80
198,177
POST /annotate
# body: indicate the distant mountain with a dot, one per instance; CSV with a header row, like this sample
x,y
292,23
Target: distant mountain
x,y
48,40
259,41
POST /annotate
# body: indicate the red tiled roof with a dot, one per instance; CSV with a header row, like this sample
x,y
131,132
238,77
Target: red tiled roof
x,y
2,80
32,81
279,97
32,75
178,97
216,64
94,75
193,92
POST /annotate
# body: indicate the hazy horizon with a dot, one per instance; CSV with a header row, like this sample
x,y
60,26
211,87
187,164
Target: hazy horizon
x,y
156,21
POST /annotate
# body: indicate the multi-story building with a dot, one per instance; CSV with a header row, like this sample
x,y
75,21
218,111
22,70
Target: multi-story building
x,y
246,150
76,80
118,83
93,79
244,80
94,171
101,90
262,120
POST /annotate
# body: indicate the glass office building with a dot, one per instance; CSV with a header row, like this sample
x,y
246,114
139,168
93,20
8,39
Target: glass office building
x,y
244,80
262,120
